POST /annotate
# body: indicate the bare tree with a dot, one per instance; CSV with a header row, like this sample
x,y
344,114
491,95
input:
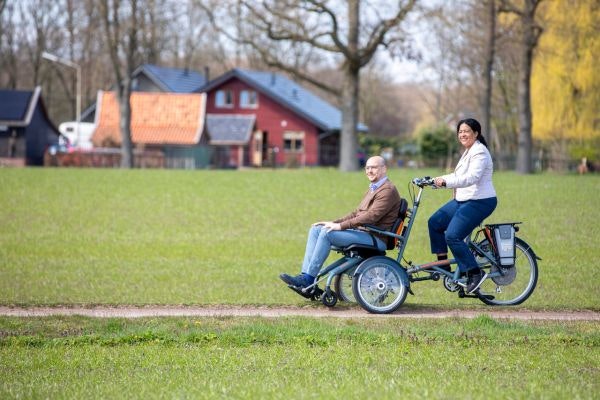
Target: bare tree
x,y
490,44
530,33
316,29
9,72
121,35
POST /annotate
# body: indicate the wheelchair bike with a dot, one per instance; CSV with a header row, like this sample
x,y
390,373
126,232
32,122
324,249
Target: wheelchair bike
x,y
380,283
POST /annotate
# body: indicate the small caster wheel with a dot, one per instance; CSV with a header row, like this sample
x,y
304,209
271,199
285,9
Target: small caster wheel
x,y
329,298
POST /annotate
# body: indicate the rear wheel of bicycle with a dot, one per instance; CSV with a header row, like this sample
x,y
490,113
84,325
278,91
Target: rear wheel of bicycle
x,y
515,283
378,285
342,284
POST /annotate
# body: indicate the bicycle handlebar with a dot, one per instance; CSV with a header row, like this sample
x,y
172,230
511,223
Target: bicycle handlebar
x,y
422,182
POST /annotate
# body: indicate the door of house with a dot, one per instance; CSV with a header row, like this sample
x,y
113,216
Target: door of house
x,y
259,148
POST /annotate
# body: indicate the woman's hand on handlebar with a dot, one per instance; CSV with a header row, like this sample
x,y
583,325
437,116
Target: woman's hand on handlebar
x,y
439,182
427,181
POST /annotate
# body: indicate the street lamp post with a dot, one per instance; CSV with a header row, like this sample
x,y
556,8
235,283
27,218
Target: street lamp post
x,y
53,58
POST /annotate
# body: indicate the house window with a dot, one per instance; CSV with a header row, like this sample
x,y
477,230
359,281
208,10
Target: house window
x,y
293,142
224,99
248,99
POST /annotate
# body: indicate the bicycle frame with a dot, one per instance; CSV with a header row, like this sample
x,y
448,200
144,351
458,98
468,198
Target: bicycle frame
x,y
433,267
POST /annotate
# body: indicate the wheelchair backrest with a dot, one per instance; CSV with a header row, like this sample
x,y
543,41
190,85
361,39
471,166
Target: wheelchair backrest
x,y
398,224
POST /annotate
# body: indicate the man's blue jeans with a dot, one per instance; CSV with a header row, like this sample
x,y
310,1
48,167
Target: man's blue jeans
x,y
320,241
453,222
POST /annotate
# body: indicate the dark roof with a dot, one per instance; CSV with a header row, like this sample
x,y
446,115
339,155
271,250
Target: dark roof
x,y
289,94
16,106
229,129
175,80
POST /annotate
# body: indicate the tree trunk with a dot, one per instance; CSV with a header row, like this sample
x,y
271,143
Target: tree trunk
x,y
524,161
125,124
489,66
349,141
350,92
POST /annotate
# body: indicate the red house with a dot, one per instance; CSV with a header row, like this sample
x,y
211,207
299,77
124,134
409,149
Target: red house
x,y
258,118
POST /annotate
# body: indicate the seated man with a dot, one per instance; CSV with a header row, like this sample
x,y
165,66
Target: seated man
x,y
379,207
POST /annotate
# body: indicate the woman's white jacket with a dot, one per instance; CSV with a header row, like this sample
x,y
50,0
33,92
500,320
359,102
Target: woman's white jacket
x,y
472,177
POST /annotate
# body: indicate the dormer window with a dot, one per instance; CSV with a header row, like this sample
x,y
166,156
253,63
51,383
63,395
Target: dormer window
x,y
248,99
224,99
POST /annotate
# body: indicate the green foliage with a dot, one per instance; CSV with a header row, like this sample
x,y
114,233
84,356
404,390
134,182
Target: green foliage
x,y
437,142
589,149
86,236
373,145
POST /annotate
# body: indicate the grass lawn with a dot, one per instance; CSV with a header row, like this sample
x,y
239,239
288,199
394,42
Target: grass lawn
x,y
92,236
297,358
84,236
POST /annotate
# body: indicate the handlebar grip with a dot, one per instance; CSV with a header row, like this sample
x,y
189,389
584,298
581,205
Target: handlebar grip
x,y
422,182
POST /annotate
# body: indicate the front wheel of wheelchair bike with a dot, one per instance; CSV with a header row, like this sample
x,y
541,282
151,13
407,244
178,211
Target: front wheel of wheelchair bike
x,y
513,284
379,285
329,298
342,284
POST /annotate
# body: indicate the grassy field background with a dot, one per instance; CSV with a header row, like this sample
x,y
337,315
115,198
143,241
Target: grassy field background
x,y
85,236
297,358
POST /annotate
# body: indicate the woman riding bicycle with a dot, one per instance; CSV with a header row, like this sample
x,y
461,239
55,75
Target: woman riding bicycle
x,y
474,200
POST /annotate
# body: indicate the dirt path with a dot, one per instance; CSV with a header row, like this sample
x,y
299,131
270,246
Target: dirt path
x,y
274,312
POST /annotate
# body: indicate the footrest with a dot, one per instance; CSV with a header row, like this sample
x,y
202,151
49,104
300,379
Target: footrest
x,y
312,294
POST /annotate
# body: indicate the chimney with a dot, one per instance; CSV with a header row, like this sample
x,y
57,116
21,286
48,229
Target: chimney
x,y
206,73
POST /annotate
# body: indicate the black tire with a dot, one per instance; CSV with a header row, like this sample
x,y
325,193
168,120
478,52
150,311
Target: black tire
x,y
379,285
342,284
517,282
329,298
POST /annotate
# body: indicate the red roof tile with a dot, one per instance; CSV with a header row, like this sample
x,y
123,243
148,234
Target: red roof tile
x,y
156,118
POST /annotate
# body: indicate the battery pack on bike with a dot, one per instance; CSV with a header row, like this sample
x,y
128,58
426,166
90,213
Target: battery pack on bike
x,y
503,238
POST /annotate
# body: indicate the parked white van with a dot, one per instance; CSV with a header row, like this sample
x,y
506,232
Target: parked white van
x,y
78,139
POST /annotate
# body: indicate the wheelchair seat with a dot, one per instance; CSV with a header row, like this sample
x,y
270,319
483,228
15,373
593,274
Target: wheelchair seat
x,y
371,250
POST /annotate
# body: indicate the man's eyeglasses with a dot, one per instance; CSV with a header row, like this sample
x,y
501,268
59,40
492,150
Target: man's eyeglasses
x,y
368,167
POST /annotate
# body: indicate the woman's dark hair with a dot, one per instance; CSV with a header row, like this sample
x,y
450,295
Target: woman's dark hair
x,y
475,126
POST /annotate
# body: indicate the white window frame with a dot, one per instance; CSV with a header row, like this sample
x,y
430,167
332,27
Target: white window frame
x,y
245,99
294,137
221,97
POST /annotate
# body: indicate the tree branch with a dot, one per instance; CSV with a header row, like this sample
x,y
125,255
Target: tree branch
x,y
378,34
507,6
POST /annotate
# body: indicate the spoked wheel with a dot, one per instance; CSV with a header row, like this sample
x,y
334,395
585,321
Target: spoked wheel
x,y
379,285
515,283
342,284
